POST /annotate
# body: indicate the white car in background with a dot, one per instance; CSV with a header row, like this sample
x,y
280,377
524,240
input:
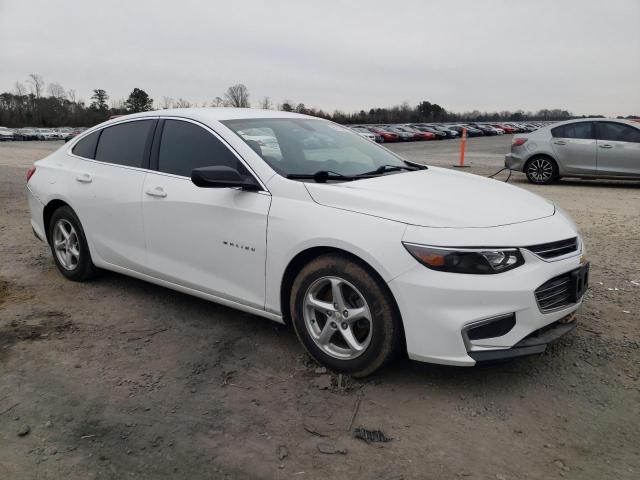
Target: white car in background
x,y
46,134
364,132
6,134
364,253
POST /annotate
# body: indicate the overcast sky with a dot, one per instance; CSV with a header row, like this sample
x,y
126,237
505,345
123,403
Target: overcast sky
x,y
581,55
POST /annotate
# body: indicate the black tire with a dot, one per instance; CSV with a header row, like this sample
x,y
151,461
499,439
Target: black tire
x,y
541,170
386,333
84,269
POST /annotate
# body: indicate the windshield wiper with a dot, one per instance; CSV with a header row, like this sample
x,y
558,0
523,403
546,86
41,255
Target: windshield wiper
x,y
384,169
322,176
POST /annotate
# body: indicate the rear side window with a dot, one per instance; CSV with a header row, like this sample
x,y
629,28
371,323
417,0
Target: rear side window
x,y
126,144
186,146
618,132
87,146
583,130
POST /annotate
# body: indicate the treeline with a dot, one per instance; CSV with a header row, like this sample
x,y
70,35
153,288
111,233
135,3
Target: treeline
x,y
35,104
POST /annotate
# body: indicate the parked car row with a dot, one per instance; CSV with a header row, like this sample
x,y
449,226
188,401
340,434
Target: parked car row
x,y
406,132
32,133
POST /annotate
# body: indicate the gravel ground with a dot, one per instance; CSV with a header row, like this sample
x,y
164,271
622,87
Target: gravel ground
x,y
118,378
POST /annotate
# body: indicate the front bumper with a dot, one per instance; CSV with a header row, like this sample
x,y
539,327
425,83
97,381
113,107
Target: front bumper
x,y
438,307
514,162
533,344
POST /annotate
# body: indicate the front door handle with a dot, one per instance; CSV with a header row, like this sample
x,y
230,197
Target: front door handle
x,y
84,178
156,192
560,142
606,145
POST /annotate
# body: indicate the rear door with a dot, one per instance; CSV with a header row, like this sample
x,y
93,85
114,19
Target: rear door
x,y
574,145
107,190
618,149
209,239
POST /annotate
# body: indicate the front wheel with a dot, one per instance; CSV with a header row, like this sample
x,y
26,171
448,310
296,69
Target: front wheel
x,y
344,316
541,170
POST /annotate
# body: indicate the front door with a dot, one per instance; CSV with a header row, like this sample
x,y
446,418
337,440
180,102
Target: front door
x,y
209,239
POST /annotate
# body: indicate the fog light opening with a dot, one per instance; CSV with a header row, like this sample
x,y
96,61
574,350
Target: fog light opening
x,y
491,328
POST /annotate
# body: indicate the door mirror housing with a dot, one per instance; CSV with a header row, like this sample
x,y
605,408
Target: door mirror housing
x,y
222,177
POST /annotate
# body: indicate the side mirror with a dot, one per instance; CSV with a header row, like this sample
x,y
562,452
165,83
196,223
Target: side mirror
x,y
222,177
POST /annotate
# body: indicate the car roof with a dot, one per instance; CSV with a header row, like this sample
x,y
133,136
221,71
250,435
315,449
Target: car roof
x,y
596,119
205,114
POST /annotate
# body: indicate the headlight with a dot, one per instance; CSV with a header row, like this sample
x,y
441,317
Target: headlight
x,y
479,261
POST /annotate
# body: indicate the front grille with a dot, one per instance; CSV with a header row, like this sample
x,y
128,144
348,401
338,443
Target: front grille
x,y
555,293
555,249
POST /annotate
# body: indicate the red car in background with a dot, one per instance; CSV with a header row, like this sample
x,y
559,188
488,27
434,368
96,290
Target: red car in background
x,y
386,135
506,128
425,135
418,134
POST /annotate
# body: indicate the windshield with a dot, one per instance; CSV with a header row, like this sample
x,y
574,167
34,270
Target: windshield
x,y
297,146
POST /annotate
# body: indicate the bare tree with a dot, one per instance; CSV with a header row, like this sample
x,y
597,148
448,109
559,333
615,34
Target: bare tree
x,y
217,102
182,103
56,90
37,84
71,94
167,102
237,96
20,89
266,103
118,104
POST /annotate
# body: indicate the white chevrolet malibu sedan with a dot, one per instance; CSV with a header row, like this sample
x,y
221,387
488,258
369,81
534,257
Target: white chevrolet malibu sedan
x,y
302,221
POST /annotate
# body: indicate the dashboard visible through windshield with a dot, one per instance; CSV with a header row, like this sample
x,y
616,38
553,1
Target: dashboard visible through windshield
x,y
305,147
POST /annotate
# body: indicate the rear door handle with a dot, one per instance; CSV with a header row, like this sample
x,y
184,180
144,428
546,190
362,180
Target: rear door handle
x,y
156,192
84,178
560,142
606,145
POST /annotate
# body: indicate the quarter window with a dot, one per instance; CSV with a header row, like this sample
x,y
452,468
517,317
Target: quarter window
x,y
185,146
126,143
87,146
618,132
580,130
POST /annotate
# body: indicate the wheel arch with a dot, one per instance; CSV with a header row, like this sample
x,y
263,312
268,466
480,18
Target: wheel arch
x,y
305,256
47,212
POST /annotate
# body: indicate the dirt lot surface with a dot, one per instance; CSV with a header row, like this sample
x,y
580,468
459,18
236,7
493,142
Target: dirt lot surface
x,y
118,378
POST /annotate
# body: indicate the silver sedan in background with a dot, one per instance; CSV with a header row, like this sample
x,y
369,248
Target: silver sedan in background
x,y
586,148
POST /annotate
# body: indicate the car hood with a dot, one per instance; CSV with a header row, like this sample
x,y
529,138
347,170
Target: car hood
x,y
436,197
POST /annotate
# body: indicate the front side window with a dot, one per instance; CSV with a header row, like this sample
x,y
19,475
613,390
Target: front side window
x,y
185,146
581,130
87,146
618,132
126,143
298,146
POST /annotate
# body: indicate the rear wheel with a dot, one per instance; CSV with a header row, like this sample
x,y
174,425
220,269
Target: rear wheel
x,y
541,170
69,246
343,316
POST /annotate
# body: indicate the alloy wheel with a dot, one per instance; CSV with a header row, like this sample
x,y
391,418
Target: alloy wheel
x,y
337,318
540,170
66,244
